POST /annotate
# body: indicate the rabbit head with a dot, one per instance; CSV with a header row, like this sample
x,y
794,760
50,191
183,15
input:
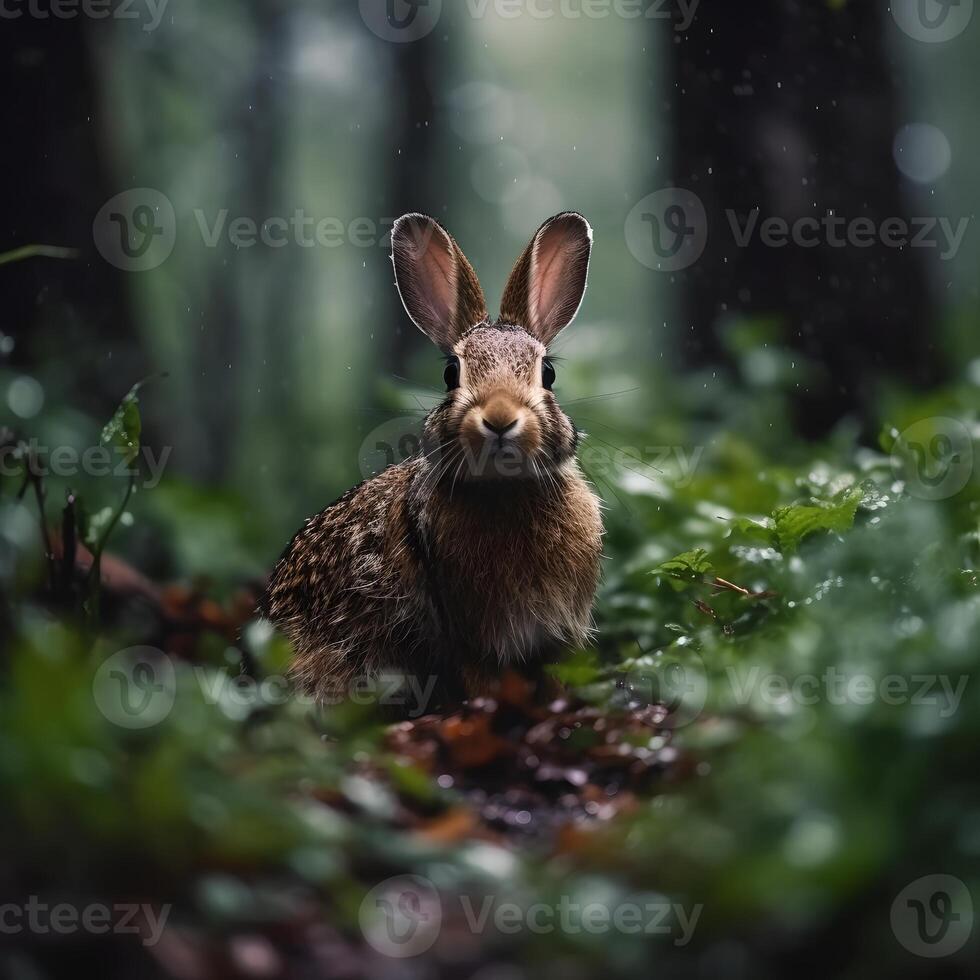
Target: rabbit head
x,y
499,419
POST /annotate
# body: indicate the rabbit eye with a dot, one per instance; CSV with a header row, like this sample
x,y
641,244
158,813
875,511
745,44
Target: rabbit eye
x,y
547,374
451,374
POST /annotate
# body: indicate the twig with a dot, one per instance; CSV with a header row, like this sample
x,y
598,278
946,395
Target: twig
x,y
723,585
95,572
37,251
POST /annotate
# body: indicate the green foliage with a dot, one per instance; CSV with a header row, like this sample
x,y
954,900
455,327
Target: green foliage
x,y
691,566
784,610
122,431
793,524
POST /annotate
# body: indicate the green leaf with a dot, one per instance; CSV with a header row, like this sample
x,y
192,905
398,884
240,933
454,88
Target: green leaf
x,y
794,523
690,566
96,525
578,670
123,429
763,533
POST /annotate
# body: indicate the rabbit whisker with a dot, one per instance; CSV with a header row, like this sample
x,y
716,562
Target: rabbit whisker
x,y
608,394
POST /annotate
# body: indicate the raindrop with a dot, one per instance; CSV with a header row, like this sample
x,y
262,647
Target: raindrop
x,y
25,396
922,152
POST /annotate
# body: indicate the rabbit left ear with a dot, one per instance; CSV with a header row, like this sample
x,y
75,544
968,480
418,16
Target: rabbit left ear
x,y
547,285
438,286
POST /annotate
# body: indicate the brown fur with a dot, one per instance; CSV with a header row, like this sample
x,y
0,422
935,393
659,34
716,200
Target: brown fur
x,y
478,553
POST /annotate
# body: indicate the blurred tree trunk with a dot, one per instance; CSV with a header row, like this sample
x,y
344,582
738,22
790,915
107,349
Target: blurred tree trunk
x,y
791,108
417,68
68,315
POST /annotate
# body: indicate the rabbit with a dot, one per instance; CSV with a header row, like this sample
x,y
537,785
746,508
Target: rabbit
x,y
482,552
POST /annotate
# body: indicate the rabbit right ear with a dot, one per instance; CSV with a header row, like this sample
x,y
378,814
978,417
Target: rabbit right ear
x,y
546,287
438,287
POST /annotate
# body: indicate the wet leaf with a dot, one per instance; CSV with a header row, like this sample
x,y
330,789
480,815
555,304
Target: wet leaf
x,y
122,431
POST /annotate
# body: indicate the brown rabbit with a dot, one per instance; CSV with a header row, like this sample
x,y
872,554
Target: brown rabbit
x,y
482,551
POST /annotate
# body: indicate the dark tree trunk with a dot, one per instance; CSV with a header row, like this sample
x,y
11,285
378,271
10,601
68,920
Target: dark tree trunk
x,y
409,187
790,107
55,180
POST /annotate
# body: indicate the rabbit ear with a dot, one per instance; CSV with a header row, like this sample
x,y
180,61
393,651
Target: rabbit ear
x,y
546,287
438,287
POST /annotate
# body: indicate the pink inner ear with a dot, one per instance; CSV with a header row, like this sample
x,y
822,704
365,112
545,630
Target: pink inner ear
x,y
558,268
433,276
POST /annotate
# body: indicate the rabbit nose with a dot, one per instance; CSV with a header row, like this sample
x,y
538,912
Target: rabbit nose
x,y
499,428
500,415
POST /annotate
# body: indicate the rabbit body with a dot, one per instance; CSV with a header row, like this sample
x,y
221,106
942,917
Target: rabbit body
x,y
483,550
396,575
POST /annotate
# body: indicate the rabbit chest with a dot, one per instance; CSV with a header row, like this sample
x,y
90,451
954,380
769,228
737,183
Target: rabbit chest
x,y
512,570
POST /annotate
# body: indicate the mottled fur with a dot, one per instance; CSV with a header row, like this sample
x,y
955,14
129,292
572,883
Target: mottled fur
x,y
479,552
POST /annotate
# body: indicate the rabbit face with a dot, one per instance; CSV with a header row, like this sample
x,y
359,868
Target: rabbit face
x,y
500,419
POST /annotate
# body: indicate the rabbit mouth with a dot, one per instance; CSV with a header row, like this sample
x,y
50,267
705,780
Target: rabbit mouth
x,y
499,443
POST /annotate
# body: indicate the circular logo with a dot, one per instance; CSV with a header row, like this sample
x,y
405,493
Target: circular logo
x,y
935,458
391,442
667,231
933,916
136,230
401,917
136,687
932,21
675,679
400,21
